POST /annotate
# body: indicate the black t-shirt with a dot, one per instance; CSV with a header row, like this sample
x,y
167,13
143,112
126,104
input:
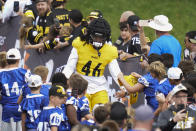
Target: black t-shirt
x,y
120,46
75,33
134,46
61,15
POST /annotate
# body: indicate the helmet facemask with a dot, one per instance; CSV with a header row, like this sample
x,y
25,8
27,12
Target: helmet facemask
x,y
98,40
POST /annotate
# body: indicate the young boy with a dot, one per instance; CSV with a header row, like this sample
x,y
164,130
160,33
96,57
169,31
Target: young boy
x,y
32,104
42,71
51,116
12,79
79,86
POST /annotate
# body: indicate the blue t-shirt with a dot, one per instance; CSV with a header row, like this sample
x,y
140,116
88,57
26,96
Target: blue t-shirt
x,y
164,87
50,116
167,44
11,83
33,104
83,107
150,84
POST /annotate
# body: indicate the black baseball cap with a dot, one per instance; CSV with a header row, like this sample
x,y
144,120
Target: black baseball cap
x,y
37,1
57,90
133,21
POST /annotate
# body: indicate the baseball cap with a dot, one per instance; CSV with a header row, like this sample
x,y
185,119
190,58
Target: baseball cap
x,y
57,90
144,113
174,73
178,88
96,14
118,111
133,21
34,81
192,38
37,1
13,54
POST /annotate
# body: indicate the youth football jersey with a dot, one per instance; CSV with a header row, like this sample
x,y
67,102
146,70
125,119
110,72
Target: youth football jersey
x,y
164,87
11,83
33,105
150,84
50,116
83,107
89,62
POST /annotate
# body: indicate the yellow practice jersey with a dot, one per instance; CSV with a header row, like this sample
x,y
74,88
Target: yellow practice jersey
x,y
89,63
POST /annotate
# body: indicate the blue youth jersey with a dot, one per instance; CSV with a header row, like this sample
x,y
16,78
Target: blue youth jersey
x,y
11,83
83,107
150,84
43,90
164,87
49,117
33,105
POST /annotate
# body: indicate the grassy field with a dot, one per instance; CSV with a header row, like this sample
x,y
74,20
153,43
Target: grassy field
x,y
181,13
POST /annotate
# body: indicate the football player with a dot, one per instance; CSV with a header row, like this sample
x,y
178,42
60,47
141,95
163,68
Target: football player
x,y
89,57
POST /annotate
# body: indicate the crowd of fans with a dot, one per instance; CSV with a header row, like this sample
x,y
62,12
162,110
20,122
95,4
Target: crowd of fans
x,y
76,98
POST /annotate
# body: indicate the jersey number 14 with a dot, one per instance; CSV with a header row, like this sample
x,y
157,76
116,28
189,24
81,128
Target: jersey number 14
x,y
14,89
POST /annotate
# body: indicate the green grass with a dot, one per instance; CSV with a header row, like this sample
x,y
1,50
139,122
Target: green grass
x,y
181,13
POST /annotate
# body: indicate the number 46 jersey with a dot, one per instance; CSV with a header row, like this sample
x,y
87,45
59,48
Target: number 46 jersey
x,y
89,62
91,65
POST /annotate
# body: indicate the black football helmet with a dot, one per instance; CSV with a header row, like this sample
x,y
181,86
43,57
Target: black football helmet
x,y
99,28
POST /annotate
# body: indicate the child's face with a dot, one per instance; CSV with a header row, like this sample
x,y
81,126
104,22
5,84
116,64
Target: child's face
x,y
125,34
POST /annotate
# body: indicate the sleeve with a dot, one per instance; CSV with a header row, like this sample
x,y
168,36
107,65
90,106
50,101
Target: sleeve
x,y
8,10
84,108
50,44
144,81
27,75
71,63
114,70
154,48
72,101
55,119
50,19
34,36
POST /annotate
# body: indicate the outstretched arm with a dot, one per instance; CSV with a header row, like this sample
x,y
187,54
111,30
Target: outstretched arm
x,y
37,46
71,63
137,87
